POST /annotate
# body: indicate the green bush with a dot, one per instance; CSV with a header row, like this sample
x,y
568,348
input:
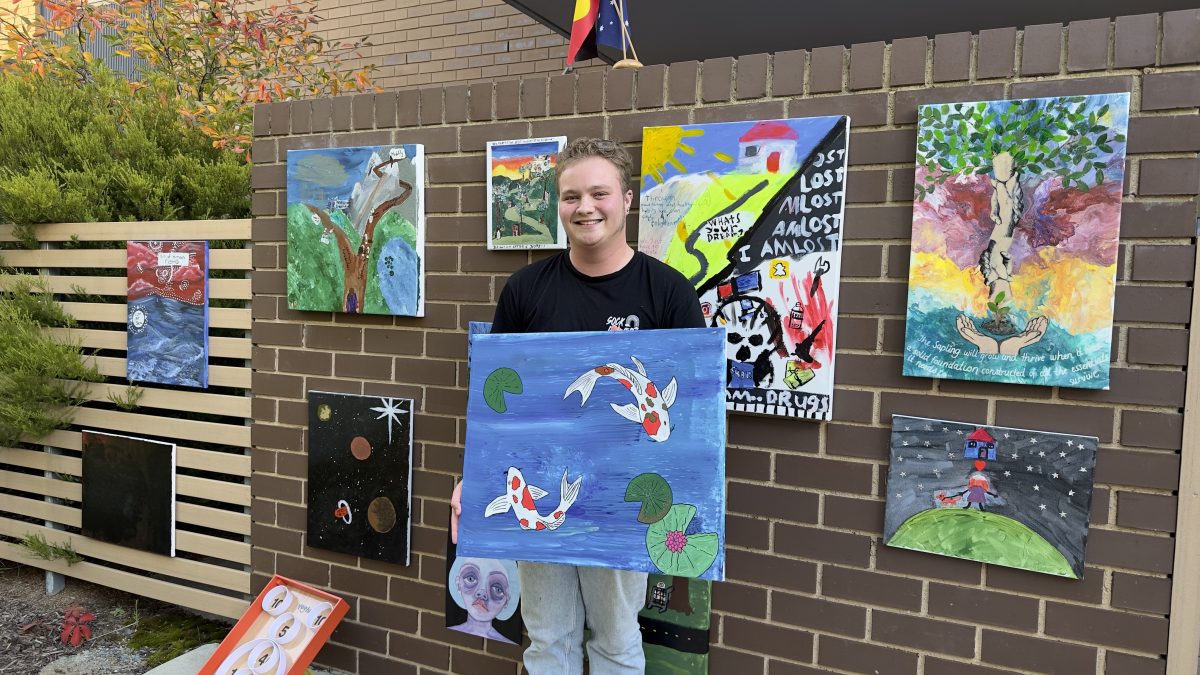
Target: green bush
x,y
72,152
42,379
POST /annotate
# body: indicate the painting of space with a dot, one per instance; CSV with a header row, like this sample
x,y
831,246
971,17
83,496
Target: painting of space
x,y
129,491
997,495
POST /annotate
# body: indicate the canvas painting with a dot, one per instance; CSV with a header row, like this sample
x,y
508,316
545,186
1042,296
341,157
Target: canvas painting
x,y
603,449
751,213
360,475
129,492
997,495
483,596
356,230
167,325
1014,248
522,197
675,624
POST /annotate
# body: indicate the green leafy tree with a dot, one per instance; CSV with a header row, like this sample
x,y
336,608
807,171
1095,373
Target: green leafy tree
x,y
1012,142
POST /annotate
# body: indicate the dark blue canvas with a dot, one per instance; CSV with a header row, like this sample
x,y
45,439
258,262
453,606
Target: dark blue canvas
x,y
602,449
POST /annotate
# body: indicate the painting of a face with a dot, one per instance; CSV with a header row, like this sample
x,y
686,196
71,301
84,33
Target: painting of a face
x,y
484,588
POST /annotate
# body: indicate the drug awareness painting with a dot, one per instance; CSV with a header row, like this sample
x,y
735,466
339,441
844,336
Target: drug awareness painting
x,y
167,325
356,230
129,492
675,623
483,596
602,449
751,213
360,475
997,495
1014,248
522,197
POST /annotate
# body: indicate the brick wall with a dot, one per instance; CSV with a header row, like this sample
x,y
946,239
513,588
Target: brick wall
x,y
418,42
811,587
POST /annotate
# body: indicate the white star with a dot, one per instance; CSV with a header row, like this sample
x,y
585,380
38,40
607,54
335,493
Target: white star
x,y
903,474
1006,435
937,473
927,444
1062,514
1042,453
920,487
1029,467
1070,493
1033,441
1042,507
898,495
905,443
1007,474
1062,454
1070,444
390,410
945,428
1037,488
1083,469
900,459
920,456
949,455
908,428
1054,475
959,432
1015,456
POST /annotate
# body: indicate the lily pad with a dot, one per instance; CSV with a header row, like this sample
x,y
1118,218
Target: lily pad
x,y
653,491
676,553
500,381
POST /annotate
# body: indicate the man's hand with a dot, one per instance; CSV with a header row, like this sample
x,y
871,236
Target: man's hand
x,y
455,511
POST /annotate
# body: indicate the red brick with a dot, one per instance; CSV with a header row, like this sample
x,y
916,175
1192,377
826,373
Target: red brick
x,y
747,464
739,112
424,652
1131,551
1152,430
878,222
1137,469
913,563
936,666
771,570
865,110
1077,86
1136,41
1180,38
866,65
787,73
650,83
997,52
1087,45
1169,177
875,297
854,332
771,432
772,502
752,76
908,60
619,90
951,57
827,64
716,82
848,513
861,657
940,407
871,588
732,597
1041,49
1143,511
1164,91
681,83
767,639
906,101
1153,304
723,660
1116,663
1158,346
533,96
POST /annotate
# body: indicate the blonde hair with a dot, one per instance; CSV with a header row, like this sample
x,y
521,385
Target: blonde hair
x,y
584,148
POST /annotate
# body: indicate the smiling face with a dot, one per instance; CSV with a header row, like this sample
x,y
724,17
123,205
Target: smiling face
x,y
484,589
592,205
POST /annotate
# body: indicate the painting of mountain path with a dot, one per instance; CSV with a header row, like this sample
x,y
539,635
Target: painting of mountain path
x,y
360,475
751,213
167,325
1016,216
997,495
483,596
522,198
675,623
603,449
128,489
356,230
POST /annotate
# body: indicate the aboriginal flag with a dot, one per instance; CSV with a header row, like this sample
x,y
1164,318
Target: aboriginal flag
x,y
583,35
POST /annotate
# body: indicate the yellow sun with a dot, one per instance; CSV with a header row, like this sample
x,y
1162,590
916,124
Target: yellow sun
x,y
659,145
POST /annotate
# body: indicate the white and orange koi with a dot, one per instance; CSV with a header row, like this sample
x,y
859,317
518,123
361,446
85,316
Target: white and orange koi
x,y
520,497
650,409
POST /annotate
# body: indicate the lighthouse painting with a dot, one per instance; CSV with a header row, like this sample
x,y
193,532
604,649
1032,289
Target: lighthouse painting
x,y
997,495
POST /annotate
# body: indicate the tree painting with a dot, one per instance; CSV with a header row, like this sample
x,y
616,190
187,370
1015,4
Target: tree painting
x,y
523,199
1015,223
356,230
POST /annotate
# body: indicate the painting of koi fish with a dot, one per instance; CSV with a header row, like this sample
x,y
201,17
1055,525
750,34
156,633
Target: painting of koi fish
x,y
530,429
653,413
520,498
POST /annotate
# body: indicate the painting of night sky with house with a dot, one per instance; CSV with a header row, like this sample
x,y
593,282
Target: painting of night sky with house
x,y
751,213
998,495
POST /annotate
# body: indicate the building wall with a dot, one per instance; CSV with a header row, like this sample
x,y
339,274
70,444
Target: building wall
x,y
811,587
421,42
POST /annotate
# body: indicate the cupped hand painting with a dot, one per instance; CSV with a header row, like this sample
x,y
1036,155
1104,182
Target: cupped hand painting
x,y
997,495
356,230
601,449
1014,253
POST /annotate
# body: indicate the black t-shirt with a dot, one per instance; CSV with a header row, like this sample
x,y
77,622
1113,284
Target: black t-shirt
x,y
552,296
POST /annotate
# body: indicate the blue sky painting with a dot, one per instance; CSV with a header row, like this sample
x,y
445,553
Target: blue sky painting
x,y
621,437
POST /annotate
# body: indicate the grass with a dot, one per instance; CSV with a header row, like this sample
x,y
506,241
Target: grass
x,y
173,634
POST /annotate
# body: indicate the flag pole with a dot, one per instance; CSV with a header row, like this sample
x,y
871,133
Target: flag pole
x,y
626,39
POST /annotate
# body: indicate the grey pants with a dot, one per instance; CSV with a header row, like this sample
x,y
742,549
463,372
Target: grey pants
x,y
555,599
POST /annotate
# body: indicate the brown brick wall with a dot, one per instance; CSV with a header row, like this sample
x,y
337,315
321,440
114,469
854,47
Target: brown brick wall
x,y
423,42
811,587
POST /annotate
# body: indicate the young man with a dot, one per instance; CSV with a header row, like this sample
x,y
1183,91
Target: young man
x,y
599,283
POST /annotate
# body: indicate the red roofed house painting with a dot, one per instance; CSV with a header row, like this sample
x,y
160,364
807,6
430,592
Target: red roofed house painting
x,y
751,213
168,312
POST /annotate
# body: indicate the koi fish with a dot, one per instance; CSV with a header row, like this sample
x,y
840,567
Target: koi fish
x,y
520,497
650,409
